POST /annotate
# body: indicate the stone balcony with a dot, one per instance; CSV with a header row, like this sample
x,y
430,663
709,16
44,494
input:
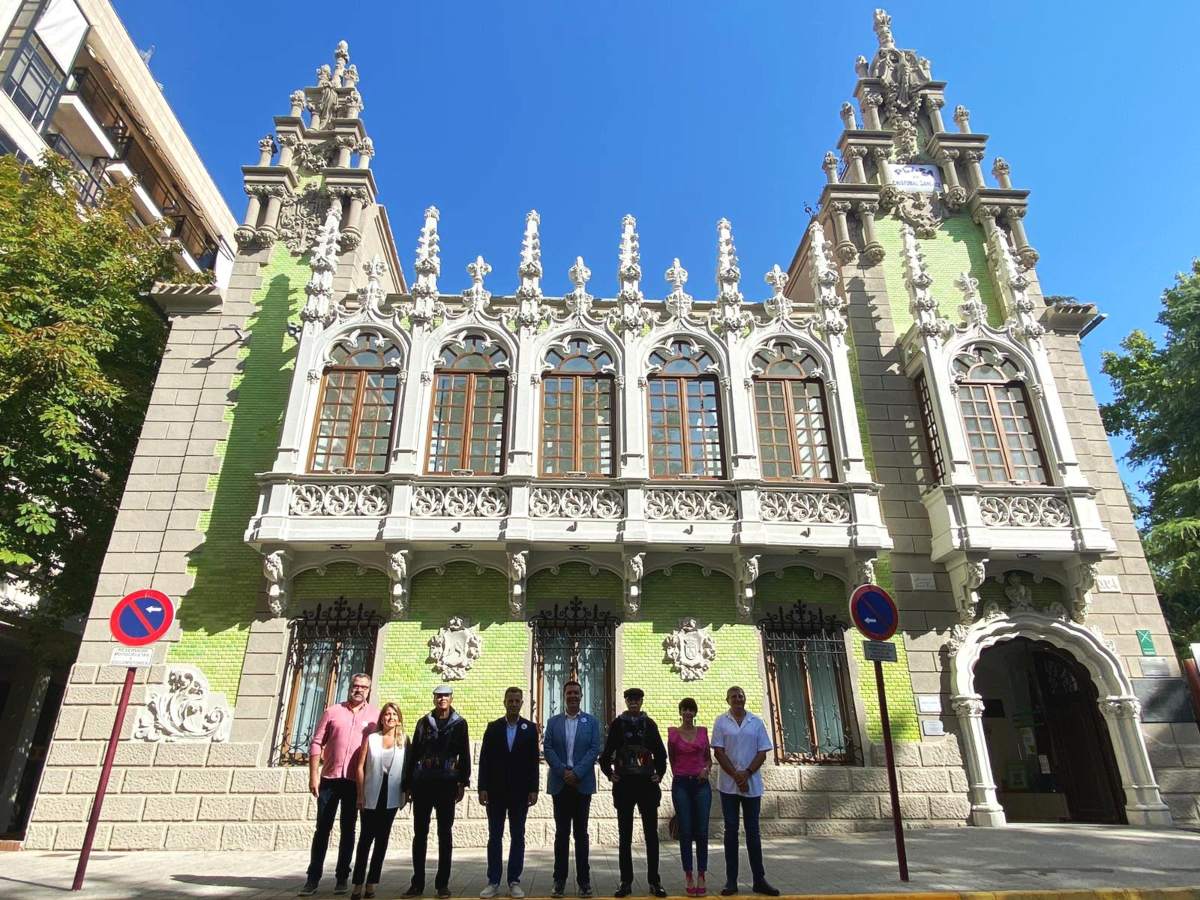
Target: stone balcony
x,y
1015,521
367,511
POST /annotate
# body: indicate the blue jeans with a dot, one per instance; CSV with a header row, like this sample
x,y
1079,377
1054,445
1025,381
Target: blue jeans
x,y
749,807
514,809
692,796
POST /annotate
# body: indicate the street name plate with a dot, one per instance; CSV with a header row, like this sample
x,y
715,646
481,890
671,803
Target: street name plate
x,y
131,657
879,651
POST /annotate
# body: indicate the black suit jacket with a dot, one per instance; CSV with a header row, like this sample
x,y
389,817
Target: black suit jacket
x,y
509,773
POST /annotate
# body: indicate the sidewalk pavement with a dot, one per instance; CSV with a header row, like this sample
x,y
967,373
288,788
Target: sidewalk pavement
x,y
1015,858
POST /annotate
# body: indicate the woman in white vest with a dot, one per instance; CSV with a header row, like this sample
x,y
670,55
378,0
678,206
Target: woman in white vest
x,y
380,763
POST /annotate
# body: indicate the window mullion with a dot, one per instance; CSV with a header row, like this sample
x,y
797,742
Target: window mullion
x,y
577,412
355,420
464,452
681,386
793,438
1001,433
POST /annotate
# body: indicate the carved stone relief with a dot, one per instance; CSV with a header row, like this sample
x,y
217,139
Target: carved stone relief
x,y
183,710
691,649
455,648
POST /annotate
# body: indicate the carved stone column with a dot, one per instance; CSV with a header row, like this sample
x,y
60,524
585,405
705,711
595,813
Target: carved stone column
x,y
873,251
858,174
1002,173
954,196
287,148
985,807
830,165
848,120
297,101
871,102
345,146
270,226
1026,255
249,227
934,104
366,150
266,150
1143,801
845,249
974,159
962,117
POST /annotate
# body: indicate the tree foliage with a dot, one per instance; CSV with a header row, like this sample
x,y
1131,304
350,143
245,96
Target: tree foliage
x,y
79,347
1157,406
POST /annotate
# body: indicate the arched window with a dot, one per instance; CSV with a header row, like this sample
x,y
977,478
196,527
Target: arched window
x,y
790,412
684,413
997,418
354,424
469,400
577,410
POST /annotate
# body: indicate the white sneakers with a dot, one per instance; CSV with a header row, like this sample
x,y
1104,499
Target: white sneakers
x,y
493,890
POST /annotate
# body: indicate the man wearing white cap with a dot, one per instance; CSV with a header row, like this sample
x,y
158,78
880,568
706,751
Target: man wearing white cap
x,y
437,770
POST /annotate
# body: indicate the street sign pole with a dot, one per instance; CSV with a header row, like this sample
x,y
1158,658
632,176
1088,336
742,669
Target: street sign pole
x,y
898,827
102,786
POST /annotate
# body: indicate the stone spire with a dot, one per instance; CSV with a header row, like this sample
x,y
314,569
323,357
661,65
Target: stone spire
x,y
922,303
902,74
318,307
428,266
831,306
476,297
579,301
728,317
530,269
629,315
779,305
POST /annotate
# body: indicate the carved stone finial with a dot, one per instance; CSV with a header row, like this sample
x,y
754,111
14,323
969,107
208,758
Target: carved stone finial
x,y
518,563
830,165
922,303
323,263
779,305
678,302
371,297
428,266
962,117
1002,172
530,269
860,66
297,103
883,30
849,121
747,574
476,296
266,146
634,569
973,309
366,147
830,304
729,317
275,566
398,575
579,301
629,316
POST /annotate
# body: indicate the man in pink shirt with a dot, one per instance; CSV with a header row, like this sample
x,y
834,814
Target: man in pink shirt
x,y
332,761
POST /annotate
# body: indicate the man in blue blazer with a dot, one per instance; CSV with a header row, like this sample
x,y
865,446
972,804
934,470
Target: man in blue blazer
x,y
571,745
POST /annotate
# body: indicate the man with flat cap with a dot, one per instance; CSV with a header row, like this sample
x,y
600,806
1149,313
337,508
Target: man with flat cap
x,y
634,760
437,770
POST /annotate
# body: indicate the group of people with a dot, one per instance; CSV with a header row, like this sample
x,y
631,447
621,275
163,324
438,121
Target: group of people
x,y
363,769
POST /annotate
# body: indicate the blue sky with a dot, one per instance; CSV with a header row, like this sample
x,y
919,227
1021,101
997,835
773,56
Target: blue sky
x,y
681,113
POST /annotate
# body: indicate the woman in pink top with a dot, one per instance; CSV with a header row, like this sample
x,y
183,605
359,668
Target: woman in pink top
x,y
691,760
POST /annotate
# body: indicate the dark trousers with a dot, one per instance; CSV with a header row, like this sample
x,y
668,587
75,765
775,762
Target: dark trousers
x,y
375,827
514,810
749,807
334,792
692,796
571,815
439,796
643,794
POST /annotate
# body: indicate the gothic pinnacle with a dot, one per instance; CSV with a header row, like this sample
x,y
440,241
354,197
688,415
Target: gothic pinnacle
x,y
629,266
429,262
729,275
530,268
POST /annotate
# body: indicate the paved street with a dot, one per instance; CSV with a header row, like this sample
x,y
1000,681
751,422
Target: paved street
x,y
1013,858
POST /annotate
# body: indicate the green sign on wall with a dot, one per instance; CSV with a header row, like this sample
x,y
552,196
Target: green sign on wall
x,y
1146,642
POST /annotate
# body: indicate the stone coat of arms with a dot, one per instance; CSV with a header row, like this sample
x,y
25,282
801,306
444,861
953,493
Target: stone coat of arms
x,y
454,649
691,649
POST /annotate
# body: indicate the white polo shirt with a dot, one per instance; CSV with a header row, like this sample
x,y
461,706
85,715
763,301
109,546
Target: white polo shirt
x,y
741,744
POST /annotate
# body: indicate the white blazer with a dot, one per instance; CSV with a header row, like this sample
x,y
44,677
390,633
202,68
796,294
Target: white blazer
x,y
377,756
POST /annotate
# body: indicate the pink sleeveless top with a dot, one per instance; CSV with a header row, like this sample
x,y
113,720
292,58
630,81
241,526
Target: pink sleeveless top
x,y
688,757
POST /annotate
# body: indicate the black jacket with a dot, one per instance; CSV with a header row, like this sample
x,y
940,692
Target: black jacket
x,y
438,754
634,748
509,773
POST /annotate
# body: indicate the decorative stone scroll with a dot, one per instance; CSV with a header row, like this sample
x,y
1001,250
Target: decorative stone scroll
x,y
691,649
460,502
576,503
454,649
804,507
1036,511
184,710
301,215
325,499
691,505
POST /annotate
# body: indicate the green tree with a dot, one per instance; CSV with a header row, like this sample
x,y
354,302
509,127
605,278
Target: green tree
x,y
79,347
1157,406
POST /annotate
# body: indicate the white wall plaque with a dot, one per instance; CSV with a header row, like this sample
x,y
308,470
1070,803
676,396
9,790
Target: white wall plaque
x,y
131,657
929,703
1155,666
1108,584
924,179
922,581
932,727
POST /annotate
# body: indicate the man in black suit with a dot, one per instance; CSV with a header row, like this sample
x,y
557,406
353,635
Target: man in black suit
x,y
508,786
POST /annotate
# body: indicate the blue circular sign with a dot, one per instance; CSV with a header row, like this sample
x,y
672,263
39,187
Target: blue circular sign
x,y
141,617
874,612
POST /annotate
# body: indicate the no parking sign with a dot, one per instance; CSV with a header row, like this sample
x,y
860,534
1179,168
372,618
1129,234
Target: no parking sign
x,y
141,617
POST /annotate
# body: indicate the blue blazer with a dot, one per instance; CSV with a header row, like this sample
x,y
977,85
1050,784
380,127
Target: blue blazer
x,y
587,749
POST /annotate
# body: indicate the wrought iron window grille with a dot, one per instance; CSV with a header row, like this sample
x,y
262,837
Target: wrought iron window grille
x,y
574,641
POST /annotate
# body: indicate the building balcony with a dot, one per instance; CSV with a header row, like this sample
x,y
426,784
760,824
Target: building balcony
x,y
1019,521
368,510
89,119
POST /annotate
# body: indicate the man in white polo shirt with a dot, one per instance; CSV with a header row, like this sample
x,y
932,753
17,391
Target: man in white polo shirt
x,y
740,744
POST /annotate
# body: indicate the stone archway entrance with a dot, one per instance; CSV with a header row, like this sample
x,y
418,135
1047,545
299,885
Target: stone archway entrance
x,y
1119,709
1049,749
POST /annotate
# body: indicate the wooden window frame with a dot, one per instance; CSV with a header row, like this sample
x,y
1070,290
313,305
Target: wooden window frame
x,y
933,440
998,421
793,438
355,420
687,456
577,379
464,456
